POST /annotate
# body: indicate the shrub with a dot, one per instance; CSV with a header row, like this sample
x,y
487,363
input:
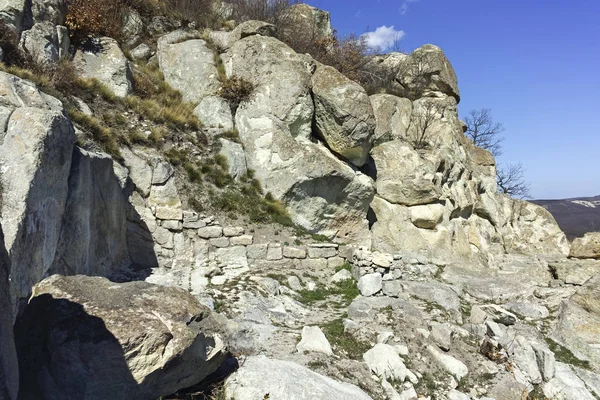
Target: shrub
x,y
90,18
9,42
235,90
271,11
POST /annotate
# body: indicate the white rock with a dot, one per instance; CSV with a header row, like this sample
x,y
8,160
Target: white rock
x,y
214,111
370,284
456,395
566,385
455,367
259,375
383,360
313,339
341,276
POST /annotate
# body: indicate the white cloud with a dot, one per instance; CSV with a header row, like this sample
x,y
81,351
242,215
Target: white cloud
x,y
383,37
404,7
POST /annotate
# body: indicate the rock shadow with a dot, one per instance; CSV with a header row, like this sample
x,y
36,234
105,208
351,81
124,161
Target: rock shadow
x,y
65,353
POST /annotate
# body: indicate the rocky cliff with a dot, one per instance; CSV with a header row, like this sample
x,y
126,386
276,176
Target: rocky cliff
x,y
398,248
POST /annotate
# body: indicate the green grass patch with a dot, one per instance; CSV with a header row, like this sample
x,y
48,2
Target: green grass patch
x,y
564,355
343,341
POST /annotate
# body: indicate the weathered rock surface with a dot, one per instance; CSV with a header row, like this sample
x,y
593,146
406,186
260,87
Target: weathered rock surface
x,y
323,194
315,23
93,237
383,360
236,161
188,66
133,340
34,198
214,111
425,72
45,42
313,339
11,12
54,11
259,376
587,246
392,115
107,63
343,114
9,376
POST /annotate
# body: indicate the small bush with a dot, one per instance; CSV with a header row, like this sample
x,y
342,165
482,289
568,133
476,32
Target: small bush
x,y
272,11
235,90
91,18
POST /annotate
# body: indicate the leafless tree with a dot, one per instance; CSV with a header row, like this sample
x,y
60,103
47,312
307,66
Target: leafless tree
x,y
483,131
511,180
272,11
422,123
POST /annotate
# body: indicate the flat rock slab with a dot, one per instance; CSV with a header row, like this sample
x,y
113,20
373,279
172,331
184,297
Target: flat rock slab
x,y
260,377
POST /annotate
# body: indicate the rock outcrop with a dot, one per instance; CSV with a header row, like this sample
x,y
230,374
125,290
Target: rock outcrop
x,y
343,114
106,62
323,194
9,377
259,377
36,159
134,340
587,246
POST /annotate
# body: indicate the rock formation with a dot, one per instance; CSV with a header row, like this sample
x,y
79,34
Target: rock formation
x,y
405,265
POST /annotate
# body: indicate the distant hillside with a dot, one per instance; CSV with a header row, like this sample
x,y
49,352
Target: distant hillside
x,y
575,216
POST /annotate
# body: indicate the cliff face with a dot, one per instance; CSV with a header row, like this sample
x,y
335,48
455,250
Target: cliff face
x,y
388,185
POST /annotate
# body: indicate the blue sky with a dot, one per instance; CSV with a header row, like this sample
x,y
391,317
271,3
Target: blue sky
x,y
534,63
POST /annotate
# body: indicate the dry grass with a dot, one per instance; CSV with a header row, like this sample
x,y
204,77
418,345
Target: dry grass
x,y
91,18
235,90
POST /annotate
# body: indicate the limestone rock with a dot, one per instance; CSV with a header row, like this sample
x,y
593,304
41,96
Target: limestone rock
x,y
41,42
454,366
383,360
12,12
370,284
93,236
343,114
404,176
214,111
392,115
234,154
566,385
425,72
259,375
141,52
525,359
9,377
107,63
315,23
322,194
33,201
587,246
54,11
313,339
189,67
252,27
132,27
426,216
134,340
140,171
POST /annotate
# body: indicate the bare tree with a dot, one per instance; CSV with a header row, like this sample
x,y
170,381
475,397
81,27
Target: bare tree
x,y
511,180
483,131
422,123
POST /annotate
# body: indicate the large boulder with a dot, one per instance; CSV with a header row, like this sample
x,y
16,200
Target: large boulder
x,y
587,246
88,338
405,176
392,116
425,72
106,62
343,114
93,237
322,193
9,377
12,12
260,377
188,66
46,42
36,161
579,323
312,22
54,11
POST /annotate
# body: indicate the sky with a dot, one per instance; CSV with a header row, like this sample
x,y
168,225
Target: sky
x,y
534,63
